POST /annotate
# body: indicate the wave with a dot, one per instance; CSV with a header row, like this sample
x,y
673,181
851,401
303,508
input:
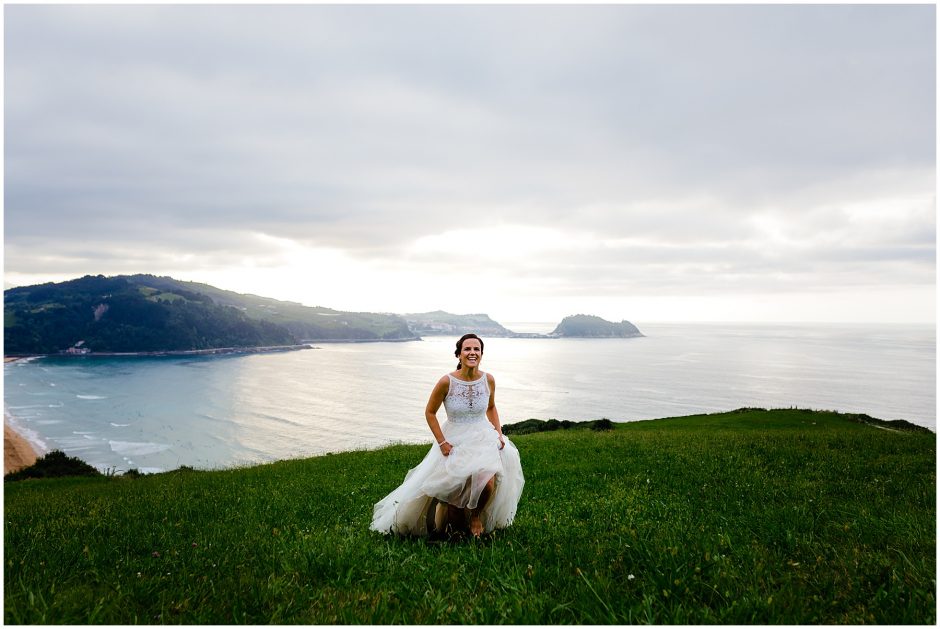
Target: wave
x,y
120,425
91,397
75,445
31,436
136,448
280,420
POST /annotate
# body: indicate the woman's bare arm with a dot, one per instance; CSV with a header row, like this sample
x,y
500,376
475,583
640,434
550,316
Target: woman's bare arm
x,y
430,412
491,413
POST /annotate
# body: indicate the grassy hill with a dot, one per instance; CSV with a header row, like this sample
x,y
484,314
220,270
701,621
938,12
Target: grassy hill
x,y
750,517
314,323
114,314
140,313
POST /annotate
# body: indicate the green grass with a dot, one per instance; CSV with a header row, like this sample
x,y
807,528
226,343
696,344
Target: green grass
x,y
754,516
153,294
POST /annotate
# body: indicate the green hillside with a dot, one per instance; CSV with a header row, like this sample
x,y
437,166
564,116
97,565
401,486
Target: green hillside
x,y
114,314
750,517
304,322
143,313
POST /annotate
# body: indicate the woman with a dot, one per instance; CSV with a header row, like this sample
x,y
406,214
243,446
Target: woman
x,y
472,478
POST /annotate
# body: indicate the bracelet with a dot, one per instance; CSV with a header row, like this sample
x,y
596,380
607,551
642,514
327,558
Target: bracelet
x,y
440,443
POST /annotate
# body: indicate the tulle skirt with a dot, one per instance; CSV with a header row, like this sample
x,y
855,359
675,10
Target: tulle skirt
x,y
456,479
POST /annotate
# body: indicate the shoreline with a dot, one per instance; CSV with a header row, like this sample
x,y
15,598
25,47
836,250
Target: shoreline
x,y
17,451
214,351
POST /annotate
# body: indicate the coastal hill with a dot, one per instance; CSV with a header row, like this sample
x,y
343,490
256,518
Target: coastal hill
x,y
144,313
305,323
589,326
440,322
114,314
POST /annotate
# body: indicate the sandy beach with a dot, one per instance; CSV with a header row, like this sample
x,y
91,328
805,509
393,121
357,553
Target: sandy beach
x,y
17,452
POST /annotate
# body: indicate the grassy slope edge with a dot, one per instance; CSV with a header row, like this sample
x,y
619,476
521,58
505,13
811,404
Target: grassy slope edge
x,y
783,516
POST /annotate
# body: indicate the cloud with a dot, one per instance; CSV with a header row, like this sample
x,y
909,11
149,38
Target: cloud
x,y
710,147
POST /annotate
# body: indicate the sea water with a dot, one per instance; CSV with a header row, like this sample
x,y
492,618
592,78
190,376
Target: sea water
x,y
156,414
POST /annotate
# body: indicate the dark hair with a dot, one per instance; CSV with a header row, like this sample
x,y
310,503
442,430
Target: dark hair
x,y
460,346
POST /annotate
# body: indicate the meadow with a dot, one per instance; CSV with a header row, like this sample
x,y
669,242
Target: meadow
x,y
748,517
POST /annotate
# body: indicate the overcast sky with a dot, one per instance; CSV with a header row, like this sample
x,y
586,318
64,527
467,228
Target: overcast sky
x,y
647,163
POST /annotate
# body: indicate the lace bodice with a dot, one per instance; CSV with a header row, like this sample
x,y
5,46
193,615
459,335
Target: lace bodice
x,y
467,401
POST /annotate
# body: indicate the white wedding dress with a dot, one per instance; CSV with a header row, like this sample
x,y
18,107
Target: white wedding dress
x,y
459,478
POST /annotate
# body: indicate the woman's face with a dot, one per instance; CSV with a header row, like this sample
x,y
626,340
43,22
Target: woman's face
x,y
471,353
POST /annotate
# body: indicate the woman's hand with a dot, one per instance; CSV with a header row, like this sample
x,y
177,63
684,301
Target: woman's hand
x,y
502,442
445,448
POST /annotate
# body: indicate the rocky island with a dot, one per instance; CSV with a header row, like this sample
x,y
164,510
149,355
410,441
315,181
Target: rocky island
x,y
590,326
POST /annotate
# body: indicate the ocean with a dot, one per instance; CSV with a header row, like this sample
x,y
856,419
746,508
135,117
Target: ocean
x,y
155,414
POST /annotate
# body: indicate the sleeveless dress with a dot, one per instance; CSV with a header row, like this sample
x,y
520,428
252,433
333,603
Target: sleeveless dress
x,y
458,478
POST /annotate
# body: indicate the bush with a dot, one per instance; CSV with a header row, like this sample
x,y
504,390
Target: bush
x,y
524,427
530,426
54,464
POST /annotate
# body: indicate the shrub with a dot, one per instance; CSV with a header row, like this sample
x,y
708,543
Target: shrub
x,y
602,424
54,464
530,426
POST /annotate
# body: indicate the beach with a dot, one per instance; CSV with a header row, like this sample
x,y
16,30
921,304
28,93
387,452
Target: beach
x,y
17,452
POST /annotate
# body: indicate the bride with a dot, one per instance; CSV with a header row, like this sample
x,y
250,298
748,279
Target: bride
x,y
473,477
